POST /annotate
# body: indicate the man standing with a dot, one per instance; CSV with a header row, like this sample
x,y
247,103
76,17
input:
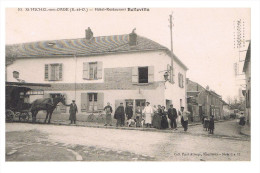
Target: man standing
x,y
108,109
73,110
172,115
184,118
148,111
120,115
129,111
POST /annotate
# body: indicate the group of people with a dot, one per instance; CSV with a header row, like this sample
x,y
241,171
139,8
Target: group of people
x,y
156,116
149,116
208,124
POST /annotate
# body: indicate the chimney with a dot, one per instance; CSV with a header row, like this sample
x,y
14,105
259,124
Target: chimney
x,y
88,33
133,38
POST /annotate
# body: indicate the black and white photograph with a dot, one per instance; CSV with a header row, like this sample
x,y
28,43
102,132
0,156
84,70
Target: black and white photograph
x,y
128,84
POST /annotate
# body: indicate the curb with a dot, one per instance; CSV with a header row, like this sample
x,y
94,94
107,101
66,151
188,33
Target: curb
x,y
114,127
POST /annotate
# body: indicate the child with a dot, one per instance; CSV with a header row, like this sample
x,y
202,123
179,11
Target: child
x,y
211,125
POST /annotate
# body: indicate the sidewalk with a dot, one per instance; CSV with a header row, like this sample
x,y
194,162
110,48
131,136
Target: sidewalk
x,y
101,125
246,130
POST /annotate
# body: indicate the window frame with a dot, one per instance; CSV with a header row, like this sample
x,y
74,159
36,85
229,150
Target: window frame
x,y
143,67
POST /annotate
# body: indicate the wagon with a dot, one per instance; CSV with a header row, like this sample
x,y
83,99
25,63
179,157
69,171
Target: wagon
x,y
17,100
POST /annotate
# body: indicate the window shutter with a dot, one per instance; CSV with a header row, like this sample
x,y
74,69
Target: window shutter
x,y
135,75
63,108
85,70
179,78
169,72
100,101
99,69
60,71
84,102
173,74
46,72
150,74
182,81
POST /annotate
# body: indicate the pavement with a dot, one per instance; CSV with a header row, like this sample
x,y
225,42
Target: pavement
x,y
61,121
246,130
44,142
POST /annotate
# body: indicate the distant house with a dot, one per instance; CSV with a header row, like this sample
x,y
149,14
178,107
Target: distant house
x,y
96,70
201,101
247,93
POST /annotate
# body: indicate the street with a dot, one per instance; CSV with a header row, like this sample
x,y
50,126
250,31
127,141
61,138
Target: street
x,y
42,142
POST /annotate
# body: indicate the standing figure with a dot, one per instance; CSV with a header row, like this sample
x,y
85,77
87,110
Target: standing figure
x,y
120,115
73,110
172,114
164,122
138,116
148,111
184,118
157,118
108,109
211,125
129,112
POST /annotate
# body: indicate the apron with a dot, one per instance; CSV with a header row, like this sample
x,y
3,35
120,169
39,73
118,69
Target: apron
x,y
148,118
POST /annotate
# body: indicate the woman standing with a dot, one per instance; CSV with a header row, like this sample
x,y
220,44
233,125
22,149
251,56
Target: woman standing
x,y
138,116
157,118
164,122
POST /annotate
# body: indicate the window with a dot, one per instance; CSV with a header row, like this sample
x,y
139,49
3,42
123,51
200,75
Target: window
x,y
95,102
92,70
53,72
35,92
143,74
181,81
170,70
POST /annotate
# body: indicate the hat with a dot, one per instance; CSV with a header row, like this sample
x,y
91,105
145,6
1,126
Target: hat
x,y
73,100
182,107
148,102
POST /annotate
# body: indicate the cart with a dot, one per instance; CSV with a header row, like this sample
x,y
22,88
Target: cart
x,y
16,97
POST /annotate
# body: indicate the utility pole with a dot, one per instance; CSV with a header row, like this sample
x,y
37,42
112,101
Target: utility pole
x,y
171,31
171,70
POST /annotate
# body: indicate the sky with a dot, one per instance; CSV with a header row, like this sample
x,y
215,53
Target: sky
x,y
202,37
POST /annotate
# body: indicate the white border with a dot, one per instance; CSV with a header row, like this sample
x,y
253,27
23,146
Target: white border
x,y
211,167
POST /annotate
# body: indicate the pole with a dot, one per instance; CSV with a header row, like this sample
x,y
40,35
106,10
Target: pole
x,y
171,31
75,58
171,69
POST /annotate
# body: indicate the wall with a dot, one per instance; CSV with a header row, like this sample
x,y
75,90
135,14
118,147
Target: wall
x,y
32,70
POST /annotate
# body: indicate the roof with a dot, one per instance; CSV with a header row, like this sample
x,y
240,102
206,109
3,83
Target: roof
x,y
248,56
101,45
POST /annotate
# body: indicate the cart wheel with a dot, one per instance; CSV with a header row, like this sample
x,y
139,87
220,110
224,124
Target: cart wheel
x,y
26,116
18,114
9,115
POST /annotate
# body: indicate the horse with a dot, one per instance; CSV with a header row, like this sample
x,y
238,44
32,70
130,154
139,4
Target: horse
x,y
47,104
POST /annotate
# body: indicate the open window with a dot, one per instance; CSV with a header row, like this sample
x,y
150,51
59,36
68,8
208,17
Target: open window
x,y
143,74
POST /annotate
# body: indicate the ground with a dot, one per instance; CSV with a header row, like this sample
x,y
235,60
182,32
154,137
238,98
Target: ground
x,y
42,142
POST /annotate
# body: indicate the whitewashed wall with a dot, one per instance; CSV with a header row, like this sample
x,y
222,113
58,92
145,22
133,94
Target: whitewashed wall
x,y
32,70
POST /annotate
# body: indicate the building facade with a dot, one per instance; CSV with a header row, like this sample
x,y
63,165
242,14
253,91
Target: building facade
x,y
202,101
247,93
96,70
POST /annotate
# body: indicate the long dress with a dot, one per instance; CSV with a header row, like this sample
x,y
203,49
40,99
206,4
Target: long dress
x,y
164,122
157,120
